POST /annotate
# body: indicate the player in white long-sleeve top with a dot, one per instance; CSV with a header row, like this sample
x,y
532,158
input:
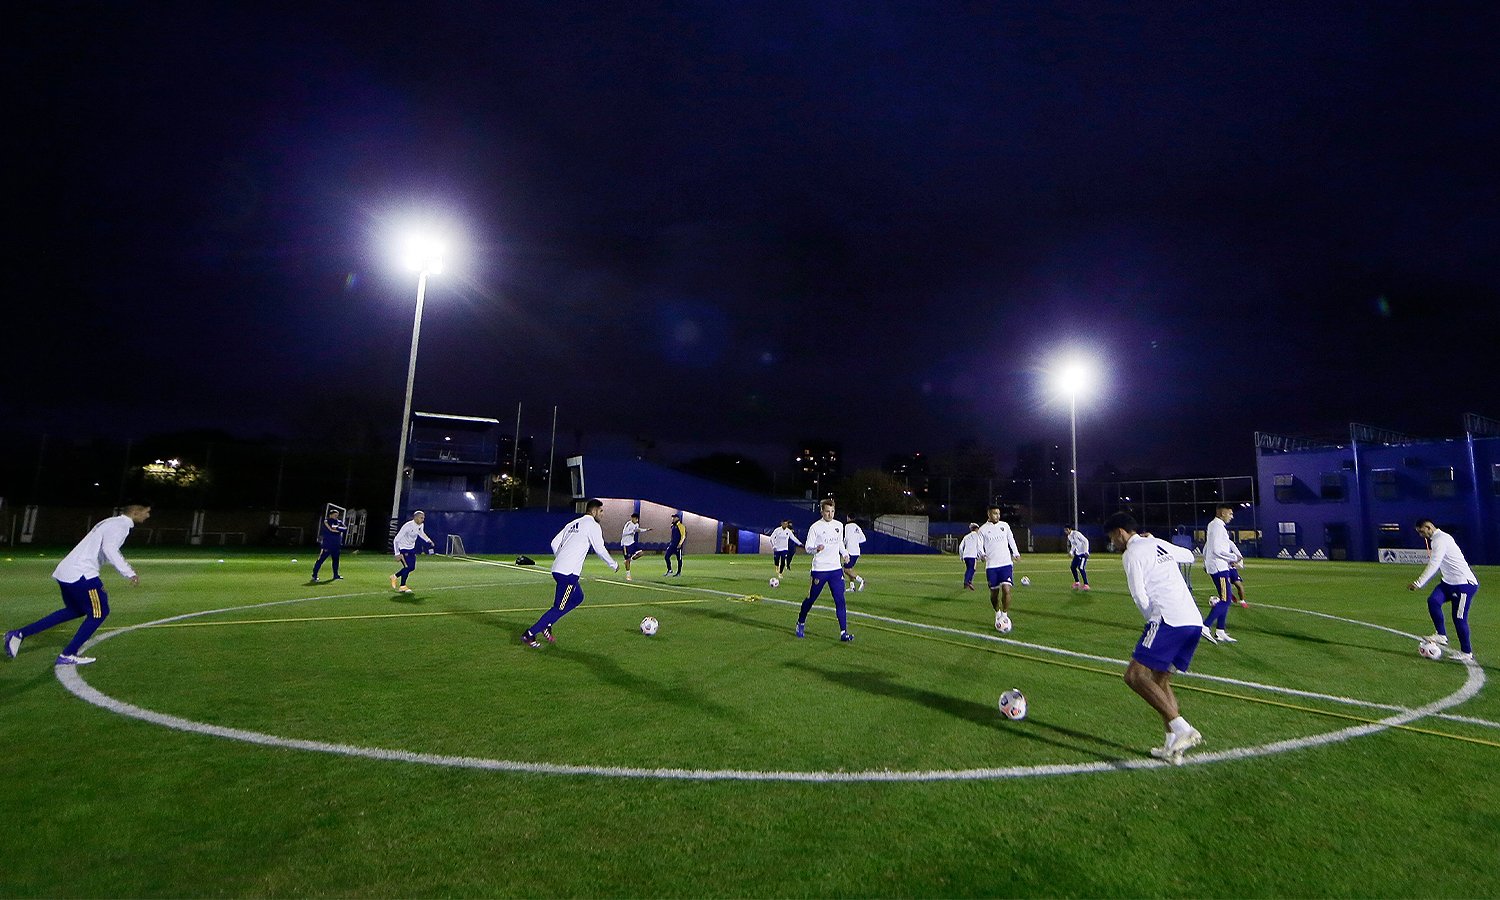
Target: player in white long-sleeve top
x,y
999,554
853,537
782,539
629,535
1222,560
968,550
570,547
1173,627
1457,586
1078,548
82,589
825,541
406,549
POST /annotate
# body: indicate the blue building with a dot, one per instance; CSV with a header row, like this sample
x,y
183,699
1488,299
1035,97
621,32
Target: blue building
x,y
1351,499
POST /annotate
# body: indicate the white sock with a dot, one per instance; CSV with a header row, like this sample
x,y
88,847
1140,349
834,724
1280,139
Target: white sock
x,y
1179,725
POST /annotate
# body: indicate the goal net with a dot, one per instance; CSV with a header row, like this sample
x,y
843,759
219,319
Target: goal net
x,y
456,545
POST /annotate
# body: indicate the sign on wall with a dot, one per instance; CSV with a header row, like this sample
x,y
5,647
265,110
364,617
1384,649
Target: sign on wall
x,y
1404,557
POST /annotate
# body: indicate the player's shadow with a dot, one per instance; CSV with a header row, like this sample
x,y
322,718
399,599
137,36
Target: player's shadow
x,y
18,688
407,599
1319,639
607,670
722,615
881,684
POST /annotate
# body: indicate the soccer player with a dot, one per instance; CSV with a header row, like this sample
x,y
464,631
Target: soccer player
x,y
968,551
999,553
628,537
1457,586
825,541
331,540
676,540
853,537
570,548
1172,630
82,589
1222,560
406,549
782,540
1078,546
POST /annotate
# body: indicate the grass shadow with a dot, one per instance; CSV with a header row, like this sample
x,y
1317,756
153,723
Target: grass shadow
x,y
30,684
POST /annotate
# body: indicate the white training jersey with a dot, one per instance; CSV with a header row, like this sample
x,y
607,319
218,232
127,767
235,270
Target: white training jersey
x,y
853,537
1156,584
1219,552
830,536
629,533
999,545
102,542
572,545
969,547
1078,545
1447,557
410,533
782,539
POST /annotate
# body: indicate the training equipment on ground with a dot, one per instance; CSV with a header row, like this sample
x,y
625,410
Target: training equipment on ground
x,y
1002,623
1026,580
649,626
775,582
1013,704
1430,650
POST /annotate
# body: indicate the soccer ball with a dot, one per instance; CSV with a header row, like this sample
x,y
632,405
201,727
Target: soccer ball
x,y
1430,650
649,626
1002,623
775,582
1013,704
1026,580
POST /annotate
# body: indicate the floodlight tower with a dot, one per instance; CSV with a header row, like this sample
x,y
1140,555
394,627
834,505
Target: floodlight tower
x,y
1073,378
423,255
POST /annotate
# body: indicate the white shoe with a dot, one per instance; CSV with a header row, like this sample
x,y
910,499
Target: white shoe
x,y
1178,745
1461,657
1224,637
628,577
859,583
404,589
1437,639
1208,635
66,660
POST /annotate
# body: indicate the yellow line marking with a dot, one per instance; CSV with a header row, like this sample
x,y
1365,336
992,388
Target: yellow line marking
x,y
1115,673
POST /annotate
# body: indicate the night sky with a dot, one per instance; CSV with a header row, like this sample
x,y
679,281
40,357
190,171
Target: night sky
x,y
734,225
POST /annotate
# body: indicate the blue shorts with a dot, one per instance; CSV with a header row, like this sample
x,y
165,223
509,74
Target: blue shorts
x,y
1460,595
781,556
851,562
1222,580
1163,646
86,597
628,549
1000,575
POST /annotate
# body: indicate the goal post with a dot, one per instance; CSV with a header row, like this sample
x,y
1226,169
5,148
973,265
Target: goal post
x,y
456,545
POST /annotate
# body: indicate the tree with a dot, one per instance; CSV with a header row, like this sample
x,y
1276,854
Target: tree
x,y
869,493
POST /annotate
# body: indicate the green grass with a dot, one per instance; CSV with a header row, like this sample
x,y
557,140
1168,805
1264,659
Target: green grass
x,y
99,804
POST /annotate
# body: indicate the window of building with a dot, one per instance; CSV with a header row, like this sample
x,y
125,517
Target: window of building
x,y
1336,536
1333,486
1286,488
1384,481
1495,479
1388,534
1440,483
1286,533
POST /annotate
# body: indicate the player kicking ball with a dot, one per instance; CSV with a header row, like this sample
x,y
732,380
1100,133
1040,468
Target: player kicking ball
x,y
1173,628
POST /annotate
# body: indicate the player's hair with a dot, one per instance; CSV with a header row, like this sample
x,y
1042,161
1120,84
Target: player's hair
x,y
992,506
417,512
1228,506
634,515
1424,521
1122,520
828,502
1067,527
134,504
593,504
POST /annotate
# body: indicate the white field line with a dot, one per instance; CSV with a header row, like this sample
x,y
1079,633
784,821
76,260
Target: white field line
x,y
71,679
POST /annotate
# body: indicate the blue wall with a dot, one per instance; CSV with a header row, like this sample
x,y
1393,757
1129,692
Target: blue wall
x,y
1471,515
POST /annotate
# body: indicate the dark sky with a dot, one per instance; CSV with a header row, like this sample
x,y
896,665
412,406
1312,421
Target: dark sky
x,y
737,224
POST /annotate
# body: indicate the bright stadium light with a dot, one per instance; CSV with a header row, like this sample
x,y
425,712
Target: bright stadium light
x,y
424,255
1073,378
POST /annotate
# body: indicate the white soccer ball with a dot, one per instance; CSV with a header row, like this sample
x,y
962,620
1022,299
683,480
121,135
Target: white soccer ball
x,y
649,626
1013,704
1002,623
775,582
1430,650
1026,580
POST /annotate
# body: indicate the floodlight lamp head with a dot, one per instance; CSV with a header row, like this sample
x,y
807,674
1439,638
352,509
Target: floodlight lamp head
x,y
424,254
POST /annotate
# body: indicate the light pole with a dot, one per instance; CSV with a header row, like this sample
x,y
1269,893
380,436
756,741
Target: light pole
x,y
1073,378
425,257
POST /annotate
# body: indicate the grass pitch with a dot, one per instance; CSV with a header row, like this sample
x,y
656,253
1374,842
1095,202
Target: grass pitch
x,y
788,756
